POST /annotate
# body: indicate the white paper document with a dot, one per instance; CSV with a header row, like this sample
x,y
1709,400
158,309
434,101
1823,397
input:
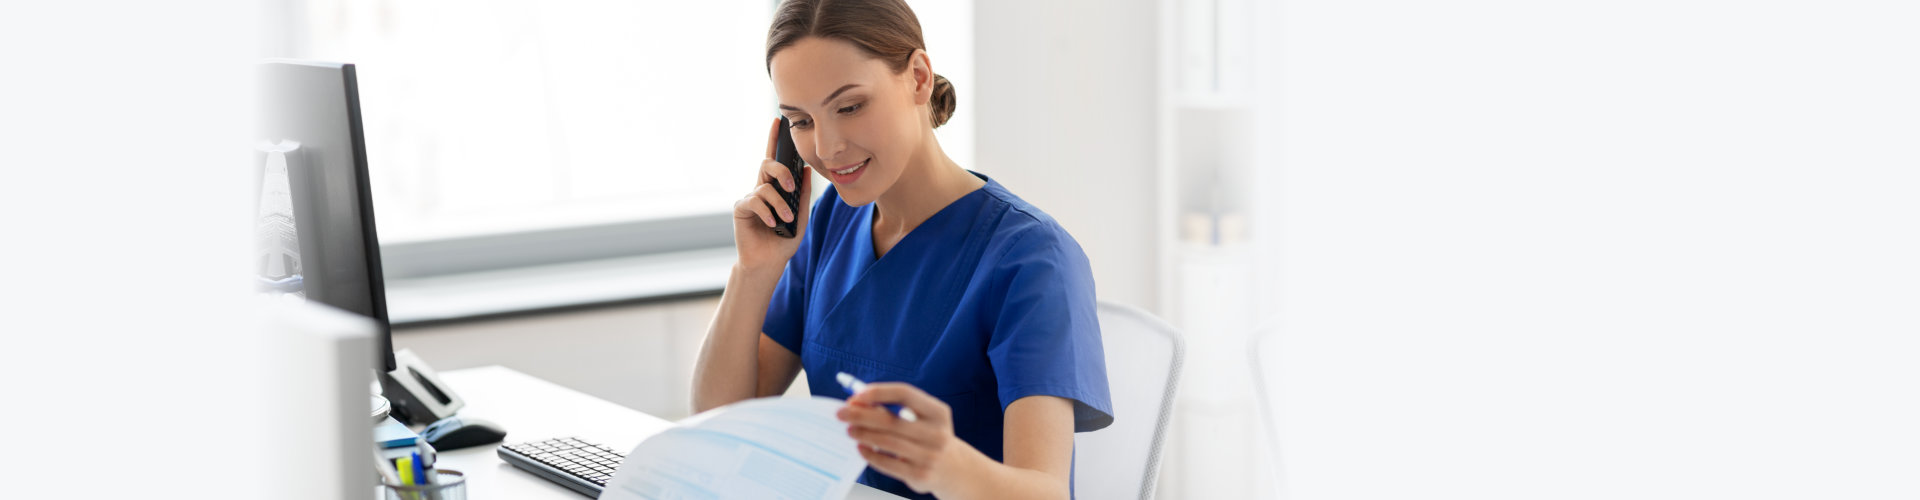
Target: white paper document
x,y
761,448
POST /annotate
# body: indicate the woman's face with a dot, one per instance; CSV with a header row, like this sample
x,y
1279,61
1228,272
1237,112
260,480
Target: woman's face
x,y
854,119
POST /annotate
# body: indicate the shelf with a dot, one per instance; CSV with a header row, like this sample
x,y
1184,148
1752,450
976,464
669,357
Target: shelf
x,y
558,286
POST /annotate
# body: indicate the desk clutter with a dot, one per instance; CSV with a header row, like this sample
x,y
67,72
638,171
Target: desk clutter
x,y
405,463
440,484
390,434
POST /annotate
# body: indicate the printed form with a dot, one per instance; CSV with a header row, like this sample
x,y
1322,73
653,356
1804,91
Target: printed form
x,y
762,448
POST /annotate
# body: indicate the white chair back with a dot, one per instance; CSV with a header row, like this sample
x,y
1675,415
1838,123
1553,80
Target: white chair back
x,y
1143,370
1263,351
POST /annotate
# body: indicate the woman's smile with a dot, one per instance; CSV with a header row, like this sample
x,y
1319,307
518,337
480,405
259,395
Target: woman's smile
x,y
848,173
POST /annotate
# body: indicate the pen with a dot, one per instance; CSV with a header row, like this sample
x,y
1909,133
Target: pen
x,y
854,386
419,471
425,458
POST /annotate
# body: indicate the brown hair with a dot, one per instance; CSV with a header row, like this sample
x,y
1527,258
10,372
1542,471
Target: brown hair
x,y
884,29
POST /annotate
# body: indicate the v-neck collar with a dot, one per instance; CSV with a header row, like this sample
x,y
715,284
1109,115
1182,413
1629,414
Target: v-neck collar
x,y
863,251
863,245
864,235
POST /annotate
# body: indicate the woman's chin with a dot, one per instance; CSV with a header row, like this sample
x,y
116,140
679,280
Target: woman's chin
x,y
853,198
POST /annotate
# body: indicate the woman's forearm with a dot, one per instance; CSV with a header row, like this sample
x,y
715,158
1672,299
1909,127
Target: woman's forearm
x,y
985,478
728,369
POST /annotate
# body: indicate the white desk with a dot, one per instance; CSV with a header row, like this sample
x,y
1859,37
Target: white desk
x,y
531,409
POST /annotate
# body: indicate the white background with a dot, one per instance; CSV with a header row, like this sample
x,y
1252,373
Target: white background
x,y
123,135
1642,249
1527,250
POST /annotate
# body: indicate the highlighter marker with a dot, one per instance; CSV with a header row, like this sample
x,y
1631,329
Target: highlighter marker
x,y
405,464
387,471
854,386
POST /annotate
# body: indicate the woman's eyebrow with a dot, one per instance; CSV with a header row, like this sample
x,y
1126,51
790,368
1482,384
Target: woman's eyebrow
x,y
829,98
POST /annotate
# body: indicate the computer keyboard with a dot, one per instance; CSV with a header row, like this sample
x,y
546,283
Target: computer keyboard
x,y
578,465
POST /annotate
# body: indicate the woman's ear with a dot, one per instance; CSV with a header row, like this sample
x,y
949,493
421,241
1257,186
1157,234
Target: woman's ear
x,y
920,69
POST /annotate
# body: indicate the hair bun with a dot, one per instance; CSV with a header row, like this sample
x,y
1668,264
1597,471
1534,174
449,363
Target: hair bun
x,y
942,101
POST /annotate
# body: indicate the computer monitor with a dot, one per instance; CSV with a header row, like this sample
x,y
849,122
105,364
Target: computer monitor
x,y
314,210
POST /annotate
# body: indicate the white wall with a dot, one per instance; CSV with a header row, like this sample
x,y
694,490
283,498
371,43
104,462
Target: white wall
x,y
1066,97
639,356
947,27
1641,249
129,343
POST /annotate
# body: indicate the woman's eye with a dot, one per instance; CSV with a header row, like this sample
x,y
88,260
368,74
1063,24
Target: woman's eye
x,y
801,124
850,109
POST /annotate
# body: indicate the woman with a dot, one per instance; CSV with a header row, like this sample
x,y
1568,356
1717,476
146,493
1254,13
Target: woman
x,y
960,301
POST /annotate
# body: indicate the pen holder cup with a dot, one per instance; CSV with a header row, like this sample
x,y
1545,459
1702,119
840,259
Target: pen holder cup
x,y
446,485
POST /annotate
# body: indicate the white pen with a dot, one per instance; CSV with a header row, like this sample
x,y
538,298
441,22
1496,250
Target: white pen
x,y
854,386
427,458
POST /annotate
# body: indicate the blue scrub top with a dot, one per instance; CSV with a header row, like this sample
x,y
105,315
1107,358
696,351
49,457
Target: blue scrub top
x,y
987,302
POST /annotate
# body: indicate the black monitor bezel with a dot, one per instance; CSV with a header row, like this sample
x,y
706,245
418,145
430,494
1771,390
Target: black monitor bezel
x,y
376,278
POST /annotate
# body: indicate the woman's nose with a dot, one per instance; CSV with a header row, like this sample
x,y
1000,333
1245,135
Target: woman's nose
x,y
827,144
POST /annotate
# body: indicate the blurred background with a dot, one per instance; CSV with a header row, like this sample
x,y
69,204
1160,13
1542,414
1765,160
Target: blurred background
x,y
1468,249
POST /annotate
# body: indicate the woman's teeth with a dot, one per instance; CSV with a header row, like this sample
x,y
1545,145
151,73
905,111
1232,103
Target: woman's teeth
x,y
854,168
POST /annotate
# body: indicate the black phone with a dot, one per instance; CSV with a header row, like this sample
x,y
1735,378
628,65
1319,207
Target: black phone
x,y
785,153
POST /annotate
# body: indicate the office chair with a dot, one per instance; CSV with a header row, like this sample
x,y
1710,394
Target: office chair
x,y
1263,351
1143,370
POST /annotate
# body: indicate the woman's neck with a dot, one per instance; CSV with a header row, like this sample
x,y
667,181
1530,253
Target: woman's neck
x,y
930,182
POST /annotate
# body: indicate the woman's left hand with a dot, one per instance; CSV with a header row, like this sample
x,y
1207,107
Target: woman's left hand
x,y
923,453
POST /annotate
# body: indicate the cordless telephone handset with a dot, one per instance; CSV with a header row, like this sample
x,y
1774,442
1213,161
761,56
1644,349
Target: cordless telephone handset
x,y
785,153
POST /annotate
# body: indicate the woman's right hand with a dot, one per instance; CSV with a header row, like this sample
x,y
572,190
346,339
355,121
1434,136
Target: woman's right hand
x,y
755,214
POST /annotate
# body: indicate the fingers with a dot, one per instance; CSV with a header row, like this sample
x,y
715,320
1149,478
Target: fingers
x,y
894,466
773,199
882,459
882,393
773,137
899,446
778,173
765,201
753,207
774,202
806,192
875,417
913,451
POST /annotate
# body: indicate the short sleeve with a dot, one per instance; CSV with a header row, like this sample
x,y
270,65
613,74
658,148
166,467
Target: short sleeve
x,y
787,313
1046,339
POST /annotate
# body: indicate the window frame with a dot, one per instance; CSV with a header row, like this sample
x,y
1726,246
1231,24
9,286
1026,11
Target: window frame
x,y
557,245
409,261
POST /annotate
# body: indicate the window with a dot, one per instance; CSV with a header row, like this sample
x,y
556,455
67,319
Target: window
x,y
490,118
502,117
